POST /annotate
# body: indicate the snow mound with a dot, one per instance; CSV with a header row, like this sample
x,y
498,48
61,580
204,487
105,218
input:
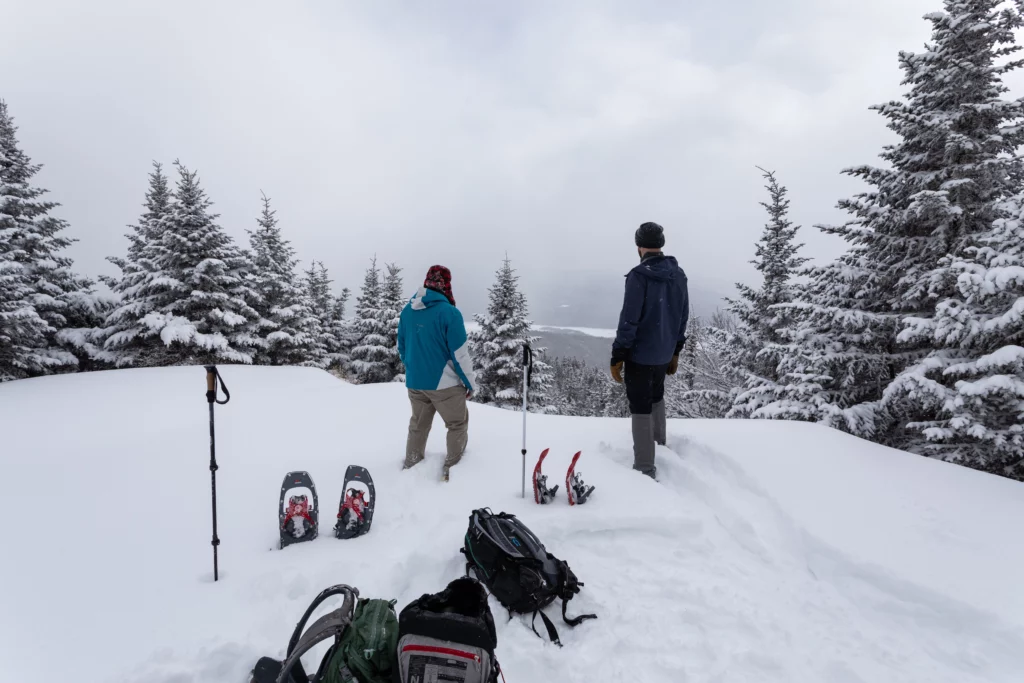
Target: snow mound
x,y
769,551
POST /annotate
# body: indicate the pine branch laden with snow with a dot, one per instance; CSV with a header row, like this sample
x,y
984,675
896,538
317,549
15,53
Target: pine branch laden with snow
x,y
946,179
291,330
37,285
498,348
754,351
189,298
372,355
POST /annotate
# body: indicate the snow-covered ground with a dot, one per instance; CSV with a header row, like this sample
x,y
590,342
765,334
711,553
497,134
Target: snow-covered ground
x,y
769,551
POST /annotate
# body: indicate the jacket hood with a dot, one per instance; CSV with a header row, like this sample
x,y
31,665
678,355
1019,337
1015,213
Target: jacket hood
x,y
425,298
660,267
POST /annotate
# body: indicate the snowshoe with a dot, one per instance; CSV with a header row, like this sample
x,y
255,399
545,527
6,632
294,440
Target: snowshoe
x,y
298,513
577,491
541,493
355,512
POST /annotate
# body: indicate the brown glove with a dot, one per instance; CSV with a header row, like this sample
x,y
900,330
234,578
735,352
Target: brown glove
x,y
617,371
673,365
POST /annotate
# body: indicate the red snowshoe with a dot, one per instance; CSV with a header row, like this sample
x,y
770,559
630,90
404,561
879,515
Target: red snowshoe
x,y
577,491
355,513
541,493
299,519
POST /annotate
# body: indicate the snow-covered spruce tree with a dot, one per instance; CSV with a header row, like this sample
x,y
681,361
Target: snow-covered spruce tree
x,y
954,163
206,313
39,285
756,347
970,388
341,333
290,329
371,353
23,345
498,348
335,333
708,379
963,400
392,303
142,287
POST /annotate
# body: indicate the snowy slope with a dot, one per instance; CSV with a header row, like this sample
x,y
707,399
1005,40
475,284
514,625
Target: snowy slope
x,y
769,551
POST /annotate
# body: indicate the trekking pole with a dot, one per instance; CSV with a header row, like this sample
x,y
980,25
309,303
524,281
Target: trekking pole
x,y
527,375
212,379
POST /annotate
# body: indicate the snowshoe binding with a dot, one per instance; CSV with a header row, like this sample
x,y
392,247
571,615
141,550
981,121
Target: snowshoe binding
x,y
541,493
355,513
298,512
577,491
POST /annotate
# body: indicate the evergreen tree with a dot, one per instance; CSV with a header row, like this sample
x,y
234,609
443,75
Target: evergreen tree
x,y
756,351
969,388
498,348
38,283
707,380
290,329
142,288
372,351
393,302
202,300
342,332
335,335
23,346
954,163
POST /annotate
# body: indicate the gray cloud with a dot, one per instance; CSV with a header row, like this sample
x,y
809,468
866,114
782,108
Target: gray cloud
x,y
455,132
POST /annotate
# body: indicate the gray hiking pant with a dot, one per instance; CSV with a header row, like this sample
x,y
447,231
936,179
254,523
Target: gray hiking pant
x,y
451,404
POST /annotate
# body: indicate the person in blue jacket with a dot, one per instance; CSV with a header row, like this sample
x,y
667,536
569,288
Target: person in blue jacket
x,y
439,374
651,333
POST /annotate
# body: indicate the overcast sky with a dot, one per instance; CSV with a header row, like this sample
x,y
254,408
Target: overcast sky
x,y
454,132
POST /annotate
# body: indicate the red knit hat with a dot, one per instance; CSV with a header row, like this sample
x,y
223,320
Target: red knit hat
x,y
439,279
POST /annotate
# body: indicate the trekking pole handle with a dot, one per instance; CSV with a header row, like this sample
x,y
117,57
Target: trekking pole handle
x,y
528,361
213,379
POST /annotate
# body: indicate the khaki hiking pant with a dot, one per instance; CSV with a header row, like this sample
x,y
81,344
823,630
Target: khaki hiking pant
x,y
451,404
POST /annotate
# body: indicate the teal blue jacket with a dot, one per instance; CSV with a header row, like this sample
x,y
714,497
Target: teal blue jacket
x,y
433,345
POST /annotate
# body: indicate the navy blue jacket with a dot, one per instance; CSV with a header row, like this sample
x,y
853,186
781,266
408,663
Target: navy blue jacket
x,y
652,325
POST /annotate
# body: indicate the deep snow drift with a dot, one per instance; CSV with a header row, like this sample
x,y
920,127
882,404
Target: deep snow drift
x,y
768,552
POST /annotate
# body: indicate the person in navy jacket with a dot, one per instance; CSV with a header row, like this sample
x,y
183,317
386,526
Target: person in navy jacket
x,y
439,374
651,333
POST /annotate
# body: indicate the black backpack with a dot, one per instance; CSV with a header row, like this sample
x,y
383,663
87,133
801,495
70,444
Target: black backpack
x,y
517,569
449,635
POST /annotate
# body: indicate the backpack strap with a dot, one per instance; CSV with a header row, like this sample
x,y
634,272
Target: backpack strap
x,y
552,633
332,624
570,587
575,621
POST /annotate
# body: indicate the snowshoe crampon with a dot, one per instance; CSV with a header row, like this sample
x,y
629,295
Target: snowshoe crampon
x,y
577,491
355,512
541,493
298,509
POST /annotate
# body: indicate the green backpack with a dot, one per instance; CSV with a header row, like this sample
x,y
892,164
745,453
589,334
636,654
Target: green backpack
x,y
366,652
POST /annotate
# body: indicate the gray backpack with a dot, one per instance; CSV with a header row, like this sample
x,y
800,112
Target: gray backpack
x,y
448,636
